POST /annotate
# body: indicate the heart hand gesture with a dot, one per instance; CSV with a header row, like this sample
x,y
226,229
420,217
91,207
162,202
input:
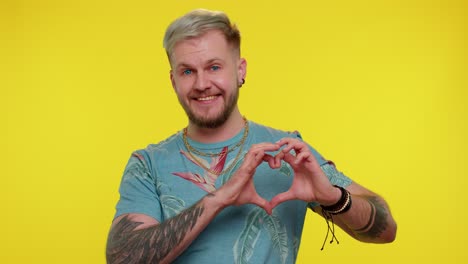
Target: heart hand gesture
x,y
240,188
309,183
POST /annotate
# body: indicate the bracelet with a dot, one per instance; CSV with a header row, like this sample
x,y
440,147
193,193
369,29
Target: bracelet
x,y
342,206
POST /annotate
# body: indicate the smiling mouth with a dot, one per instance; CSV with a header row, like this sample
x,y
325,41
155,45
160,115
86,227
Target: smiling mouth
x,y
208,98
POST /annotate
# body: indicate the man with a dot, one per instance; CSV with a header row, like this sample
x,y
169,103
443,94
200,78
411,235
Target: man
x,y
226,189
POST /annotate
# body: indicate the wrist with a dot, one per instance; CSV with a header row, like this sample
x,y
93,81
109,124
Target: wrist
x,y
214,202
333,196
342,205
222,198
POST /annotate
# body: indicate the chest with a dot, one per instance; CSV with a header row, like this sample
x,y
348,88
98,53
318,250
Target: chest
x,y
182,180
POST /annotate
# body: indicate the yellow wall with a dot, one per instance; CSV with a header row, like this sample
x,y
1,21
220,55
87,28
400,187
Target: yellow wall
x,y
379,87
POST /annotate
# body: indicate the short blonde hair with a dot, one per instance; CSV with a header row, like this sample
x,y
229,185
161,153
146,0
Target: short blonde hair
x,y
197,23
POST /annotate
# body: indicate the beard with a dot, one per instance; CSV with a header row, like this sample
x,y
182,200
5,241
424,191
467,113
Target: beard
x,y
218,120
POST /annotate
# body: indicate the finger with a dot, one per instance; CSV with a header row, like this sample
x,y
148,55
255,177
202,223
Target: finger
x,y
268,209
291,143
256,154
258,151
301,157
261,202
270,160
298,147
281,198
253,156
251,161
287,141
274,162
266,147
278,158
289,158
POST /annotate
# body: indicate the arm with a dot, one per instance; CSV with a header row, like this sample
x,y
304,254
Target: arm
x,y
369,218
137,238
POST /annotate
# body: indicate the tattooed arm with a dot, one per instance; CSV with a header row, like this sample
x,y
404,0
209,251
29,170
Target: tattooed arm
x,y
137,238
369,219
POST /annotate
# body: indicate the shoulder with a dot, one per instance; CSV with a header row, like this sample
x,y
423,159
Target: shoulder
x,y
158,151
163,146
272,134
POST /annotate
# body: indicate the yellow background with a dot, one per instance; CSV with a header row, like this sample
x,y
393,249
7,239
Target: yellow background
x,y
379,87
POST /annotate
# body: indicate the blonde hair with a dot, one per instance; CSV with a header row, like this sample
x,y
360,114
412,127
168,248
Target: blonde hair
x,y
197,23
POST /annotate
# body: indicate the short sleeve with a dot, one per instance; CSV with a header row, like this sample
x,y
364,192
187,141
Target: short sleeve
x,y
137,190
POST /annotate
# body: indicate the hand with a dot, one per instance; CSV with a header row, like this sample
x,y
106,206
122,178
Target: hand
x,y
240,188
309,183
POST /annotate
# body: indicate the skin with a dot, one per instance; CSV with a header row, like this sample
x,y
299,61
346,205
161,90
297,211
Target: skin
x,y
206,75
368,220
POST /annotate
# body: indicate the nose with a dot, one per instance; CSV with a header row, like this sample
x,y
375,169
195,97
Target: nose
x,y
202,82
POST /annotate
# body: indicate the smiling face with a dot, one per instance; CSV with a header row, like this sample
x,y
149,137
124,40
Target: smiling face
x,y
206,75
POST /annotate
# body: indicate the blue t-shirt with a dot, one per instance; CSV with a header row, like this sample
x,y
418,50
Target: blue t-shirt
x,y
162,180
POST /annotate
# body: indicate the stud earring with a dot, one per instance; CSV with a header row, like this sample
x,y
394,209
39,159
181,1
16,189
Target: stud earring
x,y
242,82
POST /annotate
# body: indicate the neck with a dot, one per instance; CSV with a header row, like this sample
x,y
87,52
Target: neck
x,y
229,129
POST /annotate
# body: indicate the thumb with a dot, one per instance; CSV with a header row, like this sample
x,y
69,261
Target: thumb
x,y
261,202
280,198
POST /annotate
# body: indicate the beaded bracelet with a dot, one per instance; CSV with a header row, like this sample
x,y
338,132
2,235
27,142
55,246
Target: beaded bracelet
x,y
342,206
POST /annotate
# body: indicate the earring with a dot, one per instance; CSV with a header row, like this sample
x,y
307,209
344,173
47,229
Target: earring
x,y
242,82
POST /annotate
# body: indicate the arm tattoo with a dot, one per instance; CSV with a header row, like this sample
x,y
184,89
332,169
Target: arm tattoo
x,y
152,244
377,220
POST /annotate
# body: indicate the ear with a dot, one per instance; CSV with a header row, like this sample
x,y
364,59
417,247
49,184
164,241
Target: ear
x,y
171,74
242,69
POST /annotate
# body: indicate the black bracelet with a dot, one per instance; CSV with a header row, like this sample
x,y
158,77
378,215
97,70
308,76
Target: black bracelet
x,y
342,206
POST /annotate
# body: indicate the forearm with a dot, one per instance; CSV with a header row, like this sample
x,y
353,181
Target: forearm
x,y
368,220
160,243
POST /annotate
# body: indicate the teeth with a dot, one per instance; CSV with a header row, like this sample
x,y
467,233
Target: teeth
x,y
206,98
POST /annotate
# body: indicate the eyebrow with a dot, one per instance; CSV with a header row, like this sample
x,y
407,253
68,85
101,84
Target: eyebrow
x,y
214,60
187,65
183,65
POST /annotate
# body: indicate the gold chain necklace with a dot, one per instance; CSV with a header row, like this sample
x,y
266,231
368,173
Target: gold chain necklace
x,y
192,149
208,154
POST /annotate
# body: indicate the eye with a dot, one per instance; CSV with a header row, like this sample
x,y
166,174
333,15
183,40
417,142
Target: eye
x,y
187,72
215,67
